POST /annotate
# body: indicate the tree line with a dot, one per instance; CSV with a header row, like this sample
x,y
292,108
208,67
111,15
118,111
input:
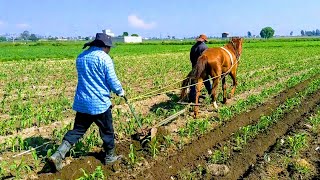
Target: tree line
x,y
310,33
25,35
266,32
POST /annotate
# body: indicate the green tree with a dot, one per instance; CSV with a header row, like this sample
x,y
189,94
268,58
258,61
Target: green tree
x,y
267,32
135,35
125,34
3,38
249,34
302,32
33,37
25,35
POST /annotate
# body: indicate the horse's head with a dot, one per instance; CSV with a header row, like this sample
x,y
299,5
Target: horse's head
x,y
237,45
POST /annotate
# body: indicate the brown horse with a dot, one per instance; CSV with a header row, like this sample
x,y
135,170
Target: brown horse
x,y
216,62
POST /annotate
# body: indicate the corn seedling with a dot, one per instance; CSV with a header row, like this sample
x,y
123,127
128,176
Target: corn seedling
x,y
20,167
3,171
22,144
203,125
220,157
130,129
315,122
36,159
239,143
245,133
49,152
296,142
96,175
168,140
154,147
191,127
181,131
301,168
132,155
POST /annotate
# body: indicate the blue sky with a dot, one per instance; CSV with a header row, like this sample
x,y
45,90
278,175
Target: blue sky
x,y
180,18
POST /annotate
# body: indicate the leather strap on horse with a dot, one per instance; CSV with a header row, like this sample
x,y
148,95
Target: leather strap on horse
x,y
231,58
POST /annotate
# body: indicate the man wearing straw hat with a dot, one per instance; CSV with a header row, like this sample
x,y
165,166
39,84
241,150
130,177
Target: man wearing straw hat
x,y
96,80
195,53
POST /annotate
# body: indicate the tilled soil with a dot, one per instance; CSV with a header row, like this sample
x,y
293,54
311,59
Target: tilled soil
x,y
192,154
241,161
278,161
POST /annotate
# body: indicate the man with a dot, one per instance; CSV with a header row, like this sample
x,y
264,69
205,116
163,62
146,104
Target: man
x,y
96,80
195,53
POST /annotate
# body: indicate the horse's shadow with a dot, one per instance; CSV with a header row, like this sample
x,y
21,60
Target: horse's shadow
x,y
37,141
168,105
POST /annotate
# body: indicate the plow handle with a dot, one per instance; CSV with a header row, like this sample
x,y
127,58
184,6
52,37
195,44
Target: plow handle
x,y
133,112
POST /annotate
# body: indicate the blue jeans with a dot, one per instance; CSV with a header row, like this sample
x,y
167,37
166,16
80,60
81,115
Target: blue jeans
x,y
83,122
192,94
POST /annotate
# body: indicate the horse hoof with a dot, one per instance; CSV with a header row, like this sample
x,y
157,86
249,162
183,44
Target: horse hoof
x,y
215,105
224,101
195,115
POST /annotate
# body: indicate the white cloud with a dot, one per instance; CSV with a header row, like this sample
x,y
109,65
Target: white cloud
x,y
136,22
23,25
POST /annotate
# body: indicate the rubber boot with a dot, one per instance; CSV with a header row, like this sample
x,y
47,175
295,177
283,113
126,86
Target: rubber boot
x,y
60,154
111,157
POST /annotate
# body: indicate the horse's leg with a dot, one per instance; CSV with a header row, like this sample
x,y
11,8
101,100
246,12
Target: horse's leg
x,y
214,92
198,89
224,89
233,74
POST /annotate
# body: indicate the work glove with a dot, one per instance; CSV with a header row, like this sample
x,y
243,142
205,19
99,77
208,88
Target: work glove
x,y
121,94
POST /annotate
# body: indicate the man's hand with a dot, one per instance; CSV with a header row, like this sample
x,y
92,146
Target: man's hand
x,y
121,94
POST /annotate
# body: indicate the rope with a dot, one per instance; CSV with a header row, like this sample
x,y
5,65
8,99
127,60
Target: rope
x,y
35,148
151,92
147,95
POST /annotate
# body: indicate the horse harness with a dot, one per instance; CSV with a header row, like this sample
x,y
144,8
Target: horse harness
x,y
231,59
236,52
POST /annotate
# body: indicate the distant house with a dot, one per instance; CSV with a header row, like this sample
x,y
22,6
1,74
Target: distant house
x,y
132,39
127,39
225,35
108,32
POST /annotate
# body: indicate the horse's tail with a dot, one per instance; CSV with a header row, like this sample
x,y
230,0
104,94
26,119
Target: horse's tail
x,y
196,72
184,85
200,66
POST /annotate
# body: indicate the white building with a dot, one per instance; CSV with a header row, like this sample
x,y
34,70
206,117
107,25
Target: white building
x,y
108,32
132,39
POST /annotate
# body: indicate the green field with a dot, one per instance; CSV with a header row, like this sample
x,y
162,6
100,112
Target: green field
x,y
38,80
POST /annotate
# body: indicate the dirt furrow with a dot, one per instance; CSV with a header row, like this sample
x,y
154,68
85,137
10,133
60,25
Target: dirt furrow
x,y
283,159
241,161
189,156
